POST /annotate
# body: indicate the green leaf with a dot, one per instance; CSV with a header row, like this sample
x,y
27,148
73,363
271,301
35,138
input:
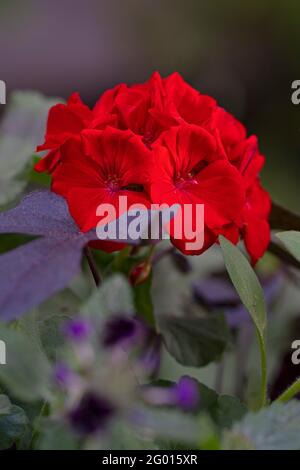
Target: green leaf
x,y
208,399
291,241
56,436
195,341
169,424
26,115
143,301
246,283
273,428
22,129
27,371
5,405
10,241
13,426
112,298
9,190
290,392
45,323
251,294
41,179
15,154
124,437
229,410
223,410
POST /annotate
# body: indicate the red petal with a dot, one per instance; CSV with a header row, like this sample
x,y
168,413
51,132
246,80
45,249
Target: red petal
x,y
220,188
187,146
257,237
209,240
118,153
49,162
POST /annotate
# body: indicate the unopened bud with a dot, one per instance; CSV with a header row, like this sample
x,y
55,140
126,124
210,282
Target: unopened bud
x,y
140,273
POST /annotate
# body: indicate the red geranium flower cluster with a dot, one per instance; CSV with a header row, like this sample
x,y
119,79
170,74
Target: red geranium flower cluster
x,y
159,142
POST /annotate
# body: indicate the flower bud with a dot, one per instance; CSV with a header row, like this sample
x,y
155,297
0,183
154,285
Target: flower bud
x,y
140,273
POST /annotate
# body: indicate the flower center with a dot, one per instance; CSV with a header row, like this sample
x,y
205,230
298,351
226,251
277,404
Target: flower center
x,y
188,178
183,180
113,182
148,139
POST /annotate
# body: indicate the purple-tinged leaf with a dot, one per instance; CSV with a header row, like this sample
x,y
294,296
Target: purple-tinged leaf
x,y
33,272
45,213
39,213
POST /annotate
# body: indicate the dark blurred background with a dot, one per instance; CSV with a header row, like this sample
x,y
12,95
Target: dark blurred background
x,y
244,53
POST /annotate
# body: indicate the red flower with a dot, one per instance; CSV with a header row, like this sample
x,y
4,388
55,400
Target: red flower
x,y
133,106
150,108
187,169
66,121
243,153
102,167
181,103
229,129
192,151
255,217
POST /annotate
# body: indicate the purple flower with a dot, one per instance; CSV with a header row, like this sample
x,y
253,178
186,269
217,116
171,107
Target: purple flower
x,y
217,292
62,374
150,357
77,330
118,330
91,415
186,393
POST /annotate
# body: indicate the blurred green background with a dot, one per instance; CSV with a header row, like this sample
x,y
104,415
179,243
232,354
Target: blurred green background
x,y
246,54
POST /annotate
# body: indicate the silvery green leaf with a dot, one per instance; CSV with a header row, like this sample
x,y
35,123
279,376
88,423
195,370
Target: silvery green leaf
x,y
274,428
27,371
114,297
21,130
246,283
291,240
26,116
167,424
5,404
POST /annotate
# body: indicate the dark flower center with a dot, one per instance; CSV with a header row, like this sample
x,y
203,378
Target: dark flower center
x,y
91,415
113,182
117,330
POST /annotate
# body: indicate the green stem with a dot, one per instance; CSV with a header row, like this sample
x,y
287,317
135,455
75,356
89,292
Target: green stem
x,y
92,265
283,255
35,431
150,254
289,393
283,219
263,362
